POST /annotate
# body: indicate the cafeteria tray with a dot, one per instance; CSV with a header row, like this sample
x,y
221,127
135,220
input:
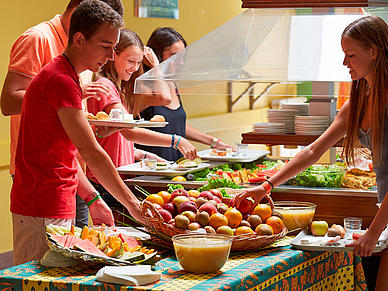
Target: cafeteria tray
x,y
250,156
133,123
338,247
136,169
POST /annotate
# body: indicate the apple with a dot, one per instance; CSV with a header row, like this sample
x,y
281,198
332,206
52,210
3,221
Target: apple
x,y
318,228
179,192
217,193
216,199
178,200
188,206
225,230
209,208
165,214
193,199
170,208
246,206
190,215
207,194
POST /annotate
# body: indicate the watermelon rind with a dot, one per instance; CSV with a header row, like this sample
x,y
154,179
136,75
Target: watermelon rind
x,y
132,257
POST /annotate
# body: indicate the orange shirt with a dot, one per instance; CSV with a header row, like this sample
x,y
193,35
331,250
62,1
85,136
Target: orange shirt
x,y
30,53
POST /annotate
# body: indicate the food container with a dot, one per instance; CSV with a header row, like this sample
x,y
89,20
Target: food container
x,y
329,176
202,253
296,214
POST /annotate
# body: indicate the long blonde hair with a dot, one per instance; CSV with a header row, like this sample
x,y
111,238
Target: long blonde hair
x,y
131,101
368,31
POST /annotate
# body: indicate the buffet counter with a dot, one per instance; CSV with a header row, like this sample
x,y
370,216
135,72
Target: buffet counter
x,y
275,268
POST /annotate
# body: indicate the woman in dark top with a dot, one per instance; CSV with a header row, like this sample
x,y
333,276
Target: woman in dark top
x,y
166,42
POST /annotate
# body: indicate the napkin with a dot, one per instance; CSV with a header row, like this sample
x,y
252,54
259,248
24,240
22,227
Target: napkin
x,y
128,275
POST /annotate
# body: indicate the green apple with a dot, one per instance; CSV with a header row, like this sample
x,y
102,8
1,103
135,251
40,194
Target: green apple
x,y
319,228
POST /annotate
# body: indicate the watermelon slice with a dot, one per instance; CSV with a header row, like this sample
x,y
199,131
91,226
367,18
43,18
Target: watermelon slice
x,y
130,240
88,247
59,239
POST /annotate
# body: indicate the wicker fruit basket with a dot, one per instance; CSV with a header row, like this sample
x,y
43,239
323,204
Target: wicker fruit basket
x,y
240,243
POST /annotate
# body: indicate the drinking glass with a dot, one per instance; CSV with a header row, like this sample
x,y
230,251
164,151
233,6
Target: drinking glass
x,y
241,149
352,224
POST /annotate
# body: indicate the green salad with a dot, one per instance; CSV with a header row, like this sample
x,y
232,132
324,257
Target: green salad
x,y
320,175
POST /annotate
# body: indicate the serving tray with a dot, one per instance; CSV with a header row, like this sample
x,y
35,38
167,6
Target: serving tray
x,y
250,156
136,169
133,123
338,247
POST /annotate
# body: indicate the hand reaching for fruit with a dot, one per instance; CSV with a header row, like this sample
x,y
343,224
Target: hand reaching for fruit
x,y
256,193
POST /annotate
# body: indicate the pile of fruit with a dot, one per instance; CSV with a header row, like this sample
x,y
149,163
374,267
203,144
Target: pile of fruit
x,y
94,241
193,210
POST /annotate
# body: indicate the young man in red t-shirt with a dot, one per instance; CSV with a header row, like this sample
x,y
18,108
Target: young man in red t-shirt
x,y
53,127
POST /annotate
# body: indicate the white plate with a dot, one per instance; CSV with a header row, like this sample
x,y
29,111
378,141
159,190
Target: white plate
x,y
249,157
181,167
339,247
136,169
127,123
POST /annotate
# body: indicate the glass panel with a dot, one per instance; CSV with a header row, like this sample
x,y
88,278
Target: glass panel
x,y
268,46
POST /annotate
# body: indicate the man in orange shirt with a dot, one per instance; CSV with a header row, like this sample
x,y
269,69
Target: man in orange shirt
x,y
30,53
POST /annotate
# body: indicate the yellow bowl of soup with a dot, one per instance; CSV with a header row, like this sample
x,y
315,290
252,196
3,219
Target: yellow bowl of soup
x,y
202,253
296,214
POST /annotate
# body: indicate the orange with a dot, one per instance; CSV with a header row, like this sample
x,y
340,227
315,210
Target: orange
x,y
276,223
155,198
179,179
243,230
263,210
217,220
264,229
234,217
165,195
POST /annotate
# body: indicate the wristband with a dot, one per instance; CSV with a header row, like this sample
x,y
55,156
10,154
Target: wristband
x,y
172,140
267,187
270,184
97,134
214,143
179,139
91,198
144,154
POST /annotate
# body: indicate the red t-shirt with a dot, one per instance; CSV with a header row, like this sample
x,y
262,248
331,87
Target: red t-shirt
x,y
120,150
46,168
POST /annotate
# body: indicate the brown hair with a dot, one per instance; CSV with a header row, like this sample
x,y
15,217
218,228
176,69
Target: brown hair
x,y
368,31
163,37
90,15
131,101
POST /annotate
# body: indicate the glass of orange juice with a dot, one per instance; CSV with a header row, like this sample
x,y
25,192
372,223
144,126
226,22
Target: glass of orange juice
x,y
296,214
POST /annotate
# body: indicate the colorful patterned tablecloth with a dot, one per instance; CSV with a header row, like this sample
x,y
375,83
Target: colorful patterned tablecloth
x,y
281,268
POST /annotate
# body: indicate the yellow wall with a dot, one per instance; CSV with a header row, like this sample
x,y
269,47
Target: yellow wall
x,y
197,18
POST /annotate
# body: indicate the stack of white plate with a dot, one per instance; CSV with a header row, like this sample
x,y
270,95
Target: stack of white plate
x,y
311,125
286,116
303,108
269,128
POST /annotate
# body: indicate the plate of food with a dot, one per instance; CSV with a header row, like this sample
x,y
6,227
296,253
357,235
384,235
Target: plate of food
x,y
103,119
309,242
231,156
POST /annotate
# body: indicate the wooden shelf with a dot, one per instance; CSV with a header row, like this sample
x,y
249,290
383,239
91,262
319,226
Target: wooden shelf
x,y
282,139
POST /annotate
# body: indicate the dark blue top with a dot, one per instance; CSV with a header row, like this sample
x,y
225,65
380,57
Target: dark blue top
x,y
176,125
381,170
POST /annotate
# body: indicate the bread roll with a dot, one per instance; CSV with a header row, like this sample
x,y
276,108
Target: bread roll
x,y
101,115
158,118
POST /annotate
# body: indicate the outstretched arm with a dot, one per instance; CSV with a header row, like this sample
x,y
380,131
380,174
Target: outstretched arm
x,y
196,135
305,158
